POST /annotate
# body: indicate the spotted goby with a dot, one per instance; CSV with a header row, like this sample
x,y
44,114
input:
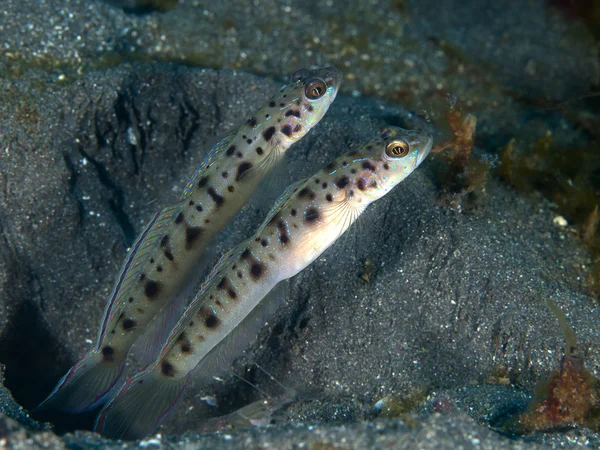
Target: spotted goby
x,y
165,253
306,220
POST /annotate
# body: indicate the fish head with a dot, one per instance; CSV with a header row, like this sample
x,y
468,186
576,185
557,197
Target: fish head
x,y
379,165
302,103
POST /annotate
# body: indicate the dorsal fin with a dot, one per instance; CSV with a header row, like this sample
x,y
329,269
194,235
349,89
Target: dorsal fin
x,y
216,150
281,203
145,244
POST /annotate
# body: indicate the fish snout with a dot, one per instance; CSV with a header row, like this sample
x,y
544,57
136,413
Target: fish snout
x,y
424,145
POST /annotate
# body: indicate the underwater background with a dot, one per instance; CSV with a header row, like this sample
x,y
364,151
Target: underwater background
x,y
462,309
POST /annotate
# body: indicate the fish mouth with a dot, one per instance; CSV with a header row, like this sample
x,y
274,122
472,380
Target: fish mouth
x,y
426,141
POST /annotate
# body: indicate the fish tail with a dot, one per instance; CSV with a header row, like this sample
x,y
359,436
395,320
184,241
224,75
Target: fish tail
x,y
85,386
140,405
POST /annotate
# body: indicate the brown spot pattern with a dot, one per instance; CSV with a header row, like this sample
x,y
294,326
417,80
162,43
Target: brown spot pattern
x,y
216,197
167,369
191,234
152,288
243,167
268,133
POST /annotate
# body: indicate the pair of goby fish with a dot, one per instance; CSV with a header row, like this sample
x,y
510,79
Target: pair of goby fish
x,y
306,220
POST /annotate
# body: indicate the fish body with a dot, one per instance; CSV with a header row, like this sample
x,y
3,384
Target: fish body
x,y
167,251
306,220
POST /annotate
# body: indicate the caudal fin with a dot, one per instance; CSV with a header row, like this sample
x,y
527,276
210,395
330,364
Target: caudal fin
x,y
85,386
140,406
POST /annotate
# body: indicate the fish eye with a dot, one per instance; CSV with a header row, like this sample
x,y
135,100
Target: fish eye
x,y
315,89
397,148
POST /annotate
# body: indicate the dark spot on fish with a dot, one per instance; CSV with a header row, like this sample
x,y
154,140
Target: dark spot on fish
x,y
264,243
306,192
330,166
202,182
361,184
351,193
159,268
200,338
287,129
256,270
142,277
151,260
281,225
212,321
283,237
249,141
373,184
191,234
311,215
206,220
271,104
108,353
246,254
259,150
218,303
345,164
367,165
268,133
128,324
311,108
199,208
252,122
293,212
131,299
216,197
324,185
386,166
230,151
317,181
328,197
352,171
298,128
191,203
243,167
230,188
152,288
234,267
292,112
167,369
226,286
282,105
224,174
239,154
271,257
168,254
186,346
342,182
240,274
179,218
140,310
